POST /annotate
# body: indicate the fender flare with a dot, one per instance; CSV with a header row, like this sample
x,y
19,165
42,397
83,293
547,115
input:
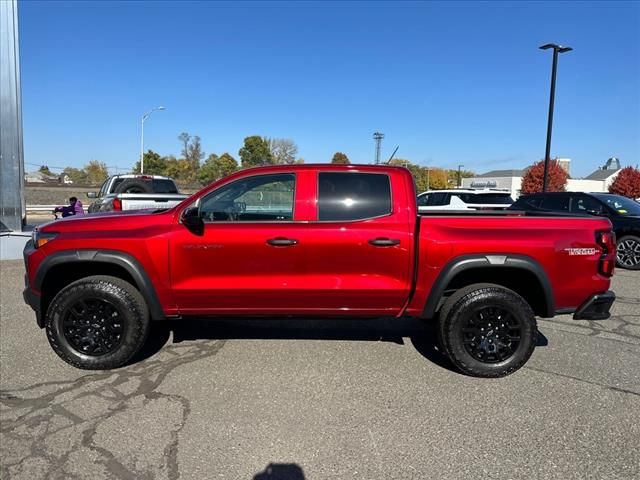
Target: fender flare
x,y
114,257
490,260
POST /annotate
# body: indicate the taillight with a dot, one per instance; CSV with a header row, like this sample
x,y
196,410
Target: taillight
x,y
607,241
117,204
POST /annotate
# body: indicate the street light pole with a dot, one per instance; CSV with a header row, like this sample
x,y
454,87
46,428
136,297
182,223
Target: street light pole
x,y
459,175
556,49
144,117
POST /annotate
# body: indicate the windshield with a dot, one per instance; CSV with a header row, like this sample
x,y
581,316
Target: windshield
x,y
623,205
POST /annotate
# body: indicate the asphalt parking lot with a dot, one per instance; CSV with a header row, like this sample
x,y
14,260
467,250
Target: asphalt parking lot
x,y
315,400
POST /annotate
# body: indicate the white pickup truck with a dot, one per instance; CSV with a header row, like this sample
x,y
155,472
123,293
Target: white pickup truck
x,y
135,192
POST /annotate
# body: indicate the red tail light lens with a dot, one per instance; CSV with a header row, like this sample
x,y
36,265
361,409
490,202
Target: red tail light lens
x,y
117,204
607,241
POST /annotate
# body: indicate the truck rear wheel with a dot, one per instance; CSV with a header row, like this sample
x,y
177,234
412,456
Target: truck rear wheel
x,y
487,330
97,323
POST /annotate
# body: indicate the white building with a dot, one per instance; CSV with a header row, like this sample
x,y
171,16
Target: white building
x,y
504,179
598,181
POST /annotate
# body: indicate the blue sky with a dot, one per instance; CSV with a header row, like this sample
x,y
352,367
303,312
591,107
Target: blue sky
x,y
450,83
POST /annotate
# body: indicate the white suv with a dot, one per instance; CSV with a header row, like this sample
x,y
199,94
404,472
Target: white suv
x,y
464,199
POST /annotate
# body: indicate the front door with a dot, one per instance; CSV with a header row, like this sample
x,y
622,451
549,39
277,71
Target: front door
x,y
249,258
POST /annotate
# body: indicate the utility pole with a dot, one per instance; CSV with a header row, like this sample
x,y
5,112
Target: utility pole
x,y
460,175
377,136
144,117
556,49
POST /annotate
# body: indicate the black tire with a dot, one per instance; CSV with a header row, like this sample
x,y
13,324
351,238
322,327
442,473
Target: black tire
x,y
97,323
135,186
628,252
477,346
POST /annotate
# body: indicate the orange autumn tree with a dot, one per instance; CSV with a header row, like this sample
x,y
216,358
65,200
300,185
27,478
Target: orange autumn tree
x,y
532,180
627,183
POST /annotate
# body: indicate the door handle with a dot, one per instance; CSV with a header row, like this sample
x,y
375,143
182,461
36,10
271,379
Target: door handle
x,y
282,242
384,242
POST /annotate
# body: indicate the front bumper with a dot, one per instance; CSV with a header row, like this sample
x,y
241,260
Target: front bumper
x,y
596,307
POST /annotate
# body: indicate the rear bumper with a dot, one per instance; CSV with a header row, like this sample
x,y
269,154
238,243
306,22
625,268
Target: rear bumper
x,y
596,307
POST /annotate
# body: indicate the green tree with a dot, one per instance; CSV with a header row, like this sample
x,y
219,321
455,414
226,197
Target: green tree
x,y
97,172
178,169
340,157
255,152
154,164
76,175
195,153
45,169
191,155
216,167
452,176
426,178
283,151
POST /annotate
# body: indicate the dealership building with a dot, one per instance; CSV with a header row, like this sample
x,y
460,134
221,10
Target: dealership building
x,y
511,180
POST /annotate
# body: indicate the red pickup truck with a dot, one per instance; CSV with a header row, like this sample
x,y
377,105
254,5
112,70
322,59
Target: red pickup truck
x,y
317,240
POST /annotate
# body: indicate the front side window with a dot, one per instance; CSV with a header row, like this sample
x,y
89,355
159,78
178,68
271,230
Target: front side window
x,y
586,205
423,200
261,198
344,196
623,205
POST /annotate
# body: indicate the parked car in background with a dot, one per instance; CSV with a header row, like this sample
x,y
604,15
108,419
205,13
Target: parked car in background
x,y
317,240
623,212
464,199
135,192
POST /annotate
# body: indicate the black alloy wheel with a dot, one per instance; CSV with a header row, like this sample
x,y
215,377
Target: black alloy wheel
x,y
93,326
487,330
491,334
97,322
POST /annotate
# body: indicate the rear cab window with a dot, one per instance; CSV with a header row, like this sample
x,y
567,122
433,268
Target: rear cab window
x,y
164,185
349,196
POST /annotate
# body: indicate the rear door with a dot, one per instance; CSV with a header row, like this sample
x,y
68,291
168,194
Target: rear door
x,y
359,249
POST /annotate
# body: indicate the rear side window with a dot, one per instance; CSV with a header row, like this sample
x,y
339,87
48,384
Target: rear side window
x,y
164,186
422,200
557,203
353,196
436,199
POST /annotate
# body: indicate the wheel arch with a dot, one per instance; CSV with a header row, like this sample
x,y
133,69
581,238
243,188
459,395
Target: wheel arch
x,y
60,269
520,273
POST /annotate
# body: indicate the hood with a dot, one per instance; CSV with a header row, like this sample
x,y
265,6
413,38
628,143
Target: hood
x,y
107,221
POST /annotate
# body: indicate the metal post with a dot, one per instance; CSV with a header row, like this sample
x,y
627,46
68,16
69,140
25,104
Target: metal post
x,y
12,206
144,117
547,156
142,145
459,175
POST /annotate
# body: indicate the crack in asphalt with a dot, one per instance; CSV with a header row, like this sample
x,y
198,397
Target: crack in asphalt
x,y
61,422
582,380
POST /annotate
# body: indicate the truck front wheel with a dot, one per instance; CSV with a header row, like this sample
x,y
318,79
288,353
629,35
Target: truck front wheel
x,y
97,323
487,330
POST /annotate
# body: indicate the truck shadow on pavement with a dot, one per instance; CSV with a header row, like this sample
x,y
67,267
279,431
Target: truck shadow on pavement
x,y
421,334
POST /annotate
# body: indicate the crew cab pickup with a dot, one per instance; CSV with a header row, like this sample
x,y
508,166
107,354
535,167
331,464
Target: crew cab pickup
x,y
317,240
135,192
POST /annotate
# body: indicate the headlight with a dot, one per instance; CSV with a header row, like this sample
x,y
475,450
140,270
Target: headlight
x,y
40,238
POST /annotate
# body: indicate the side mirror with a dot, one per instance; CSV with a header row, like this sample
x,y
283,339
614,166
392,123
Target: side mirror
x,y
192,220
92,195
